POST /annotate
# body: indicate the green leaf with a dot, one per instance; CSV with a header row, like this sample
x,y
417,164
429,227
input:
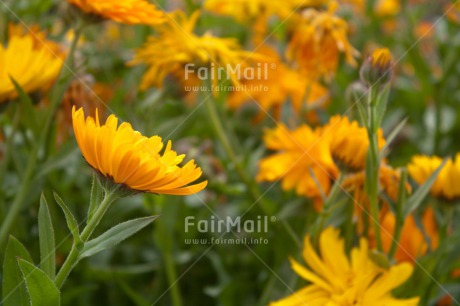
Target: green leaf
x,y
392,137
115,235
96,197
14,288
71,221
46,237
42,290
29,109
380,259
417,197
382,102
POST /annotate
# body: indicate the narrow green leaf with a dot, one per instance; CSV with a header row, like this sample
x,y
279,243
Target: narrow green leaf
x,y
71,221
42,290
29,109
115,235
392,137
46,238
14,288
417,197
96,197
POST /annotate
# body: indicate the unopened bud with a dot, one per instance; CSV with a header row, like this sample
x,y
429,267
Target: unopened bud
x,y
377,68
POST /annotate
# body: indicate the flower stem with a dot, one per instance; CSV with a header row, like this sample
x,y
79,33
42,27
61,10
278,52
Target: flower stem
x,y
26,178
74,255
252,186
373,168
172,278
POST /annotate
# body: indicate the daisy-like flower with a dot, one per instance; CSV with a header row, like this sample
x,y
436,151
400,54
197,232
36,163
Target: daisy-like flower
x,y
123,11
33,65
126,158
300,153
318,39
176,45
413,242
339,280
446,185
349,142
281,83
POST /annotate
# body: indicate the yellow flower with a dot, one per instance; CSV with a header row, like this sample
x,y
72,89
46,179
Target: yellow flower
x,y
338,280
318,39
349,142
412,243
387,8
127,158
123,11
176,46
34,66
281,83
300,153
446,184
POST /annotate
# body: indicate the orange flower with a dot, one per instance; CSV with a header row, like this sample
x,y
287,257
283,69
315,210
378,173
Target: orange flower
x,y
123,11
301,153
318,39
412,243
126,158
280,85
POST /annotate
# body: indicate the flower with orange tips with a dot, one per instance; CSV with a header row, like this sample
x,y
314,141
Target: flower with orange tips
x,y
446,185
176,46
126,158
280,85
349,142
318,39
34,66
412,243
337,279
302,161
123,11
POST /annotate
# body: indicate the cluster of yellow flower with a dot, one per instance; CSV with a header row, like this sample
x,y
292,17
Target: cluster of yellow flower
x,y
307,159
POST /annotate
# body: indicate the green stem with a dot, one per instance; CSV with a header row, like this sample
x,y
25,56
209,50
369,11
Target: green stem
x,y
26,179
252,186
399,213
74,255
328,207
374,167
172,279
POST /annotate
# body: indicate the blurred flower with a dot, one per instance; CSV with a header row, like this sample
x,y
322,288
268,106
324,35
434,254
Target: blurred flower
x,y
124,11
39,38
387,8
412,243
339,280
281,84
301,154
389,184
34,66
349,142
452,11
446,184
128,159
83,93
176,46
318,38
377,68
243,10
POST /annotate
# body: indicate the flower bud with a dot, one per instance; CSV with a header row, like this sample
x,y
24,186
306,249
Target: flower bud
x,y
377,68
